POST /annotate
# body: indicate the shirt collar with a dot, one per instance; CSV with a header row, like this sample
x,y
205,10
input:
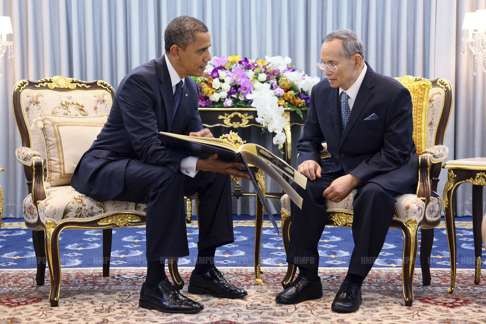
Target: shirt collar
x,y
352,91
174,77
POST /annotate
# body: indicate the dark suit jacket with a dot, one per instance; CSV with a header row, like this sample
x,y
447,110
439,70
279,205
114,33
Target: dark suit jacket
x,y
376,145
141,108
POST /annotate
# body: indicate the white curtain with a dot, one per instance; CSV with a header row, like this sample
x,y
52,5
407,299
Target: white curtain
x,y
104,39
470,114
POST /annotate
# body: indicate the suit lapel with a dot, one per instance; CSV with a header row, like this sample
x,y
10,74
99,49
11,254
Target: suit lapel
x,y
166,90
335,116
364,95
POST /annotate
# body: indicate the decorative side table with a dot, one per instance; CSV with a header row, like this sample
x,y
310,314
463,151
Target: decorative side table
x,y
472,170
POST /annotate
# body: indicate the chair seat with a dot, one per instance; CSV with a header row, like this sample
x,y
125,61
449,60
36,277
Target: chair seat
x,y
64,202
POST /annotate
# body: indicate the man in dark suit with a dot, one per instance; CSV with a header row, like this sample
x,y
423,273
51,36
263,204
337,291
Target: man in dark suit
x,y
366,120
128,162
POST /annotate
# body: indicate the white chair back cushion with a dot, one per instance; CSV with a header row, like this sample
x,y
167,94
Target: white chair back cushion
x,y
66,139
38,103
436,108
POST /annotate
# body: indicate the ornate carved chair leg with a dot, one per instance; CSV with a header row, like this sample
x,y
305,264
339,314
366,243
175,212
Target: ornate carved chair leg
x,y
52,251
258,235
40,256
427,238
477,201
409,255
291,268
174,274
107,236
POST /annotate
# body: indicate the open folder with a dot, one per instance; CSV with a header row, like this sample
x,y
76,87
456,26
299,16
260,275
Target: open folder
x,y
249,154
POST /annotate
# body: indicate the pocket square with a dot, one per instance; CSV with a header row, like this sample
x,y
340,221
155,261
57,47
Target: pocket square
x,y
373,116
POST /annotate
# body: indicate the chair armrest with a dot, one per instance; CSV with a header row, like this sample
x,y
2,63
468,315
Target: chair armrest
x,y
438,153
424,185
38,184
430,163
25,155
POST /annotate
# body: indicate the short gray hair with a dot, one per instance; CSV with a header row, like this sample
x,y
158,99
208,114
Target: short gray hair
x,y
351,43
182,30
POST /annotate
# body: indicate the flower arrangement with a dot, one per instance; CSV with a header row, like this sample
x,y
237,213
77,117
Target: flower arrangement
x,y
270,85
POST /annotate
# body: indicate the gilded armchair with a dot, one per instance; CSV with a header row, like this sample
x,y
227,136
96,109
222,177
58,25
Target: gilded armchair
x,y
58,119
431,108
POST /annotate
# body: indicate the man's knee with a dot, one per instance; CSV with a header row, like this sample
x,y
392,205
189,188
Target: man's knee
x,y
371,190
164,179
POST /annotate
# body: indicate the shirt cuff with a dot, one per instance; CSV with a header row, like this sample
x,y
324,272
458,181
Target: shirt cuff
x,y
188,166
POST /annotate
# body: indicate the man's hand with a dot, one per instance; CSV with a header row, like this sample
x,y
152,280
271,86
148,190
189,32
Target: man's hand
x,y
340,188
310,168
212,164
205,132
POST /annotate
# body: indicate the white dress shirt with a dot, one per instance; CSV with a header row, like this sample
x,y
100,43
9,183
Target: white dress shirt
x,y
188,164
352,91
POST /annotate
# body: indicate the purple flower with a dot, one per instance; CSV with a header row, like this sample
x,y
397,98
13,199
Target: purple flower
x,y
204,101
246,87
232,91
215,72
278,92
239,74
245,62
228,102
219,61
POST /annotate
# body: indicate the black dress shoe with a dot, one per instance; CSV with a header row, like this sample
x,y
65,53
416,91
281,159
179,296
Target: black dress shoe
x,y
348,298
300,290
213,283
166,298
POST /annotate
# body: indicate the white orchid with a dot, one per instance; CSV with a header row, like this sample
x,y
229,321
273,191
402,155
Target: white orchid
x,y
279,62
269,113
262,77
216,84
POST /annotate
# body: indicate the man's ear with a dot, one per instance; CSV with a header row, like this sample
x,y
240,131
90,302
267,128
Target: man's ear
x,y
358,59
174,51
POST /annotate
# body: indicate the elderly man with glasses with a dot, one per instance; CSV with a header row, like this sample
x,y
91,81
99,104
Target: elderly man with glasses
x,y
366,120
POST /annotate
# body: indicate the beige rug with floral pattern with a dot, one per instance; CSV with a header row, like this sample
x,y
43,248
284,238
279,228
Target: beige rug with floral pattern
x,y
87,297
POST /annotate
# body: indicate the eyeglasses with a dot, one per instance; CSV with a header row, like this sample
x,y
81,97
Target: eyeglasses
x,y
327,67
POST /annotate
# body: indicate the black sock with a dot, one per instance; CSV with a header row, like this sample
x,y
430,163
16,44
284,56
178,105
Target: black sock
x,y
155,272
354,278
205,259
309,273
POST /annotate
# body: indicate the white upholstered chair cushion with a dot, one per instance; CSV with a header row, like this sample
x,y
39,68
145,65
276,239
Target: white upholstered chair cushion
x,y
66,139
407,207
65,202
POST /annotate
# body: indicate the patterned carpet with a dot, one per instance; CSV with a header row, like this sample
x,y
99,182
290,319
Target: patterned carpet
x,y
82,249
87,297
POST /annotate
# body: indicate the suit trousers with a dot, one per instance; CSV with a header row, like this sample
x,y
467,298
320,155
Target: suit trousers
x,y
373,213
163,190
